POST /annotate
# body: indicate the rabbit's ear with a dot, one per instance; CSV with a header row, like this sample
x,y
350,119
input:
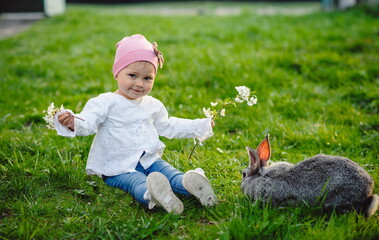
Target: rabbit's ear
x,y
264,151
254,161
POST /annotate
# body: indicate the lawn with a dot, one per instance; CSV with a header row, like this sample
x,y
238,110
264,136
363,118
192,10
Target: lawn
x,y
316,77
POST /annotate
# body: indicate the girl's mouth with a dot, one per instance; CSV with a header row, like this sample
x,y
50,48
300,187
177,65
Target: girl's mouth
x,y
136,90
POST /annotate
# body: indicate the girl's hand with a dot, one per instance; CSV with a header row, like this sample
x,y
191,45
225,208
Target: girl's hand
x,y
66,119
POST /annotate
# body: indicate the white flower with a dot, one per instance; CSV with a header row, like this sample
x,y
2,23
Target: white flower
x,y
244,95
50,122
239,100
49,117
207,112
243,92
219,107
253,100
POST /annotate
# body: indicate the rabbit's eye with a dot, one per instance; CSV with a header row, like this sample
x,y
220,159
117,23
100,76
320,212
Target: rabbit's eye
x,y
243,175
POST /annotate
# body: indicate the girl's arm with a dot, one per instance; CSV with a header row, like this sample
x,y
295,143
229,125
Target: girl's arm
x,y
172,127
87,122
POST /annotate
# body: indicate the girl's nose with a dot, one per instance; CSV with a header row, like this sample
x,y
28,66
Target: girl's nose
x,y
139,83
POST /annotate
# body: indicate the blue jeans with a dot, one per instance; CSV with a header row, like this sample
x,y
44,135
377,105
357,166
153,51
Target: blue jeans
x,y
134,183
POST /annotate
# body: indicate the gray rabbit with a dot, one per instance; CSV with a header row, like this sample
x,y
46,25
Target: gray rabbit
x,y
332,182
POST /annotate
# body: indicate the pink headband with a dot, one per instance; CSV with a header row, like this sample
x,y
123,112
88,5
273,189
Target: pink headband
x,y
136,48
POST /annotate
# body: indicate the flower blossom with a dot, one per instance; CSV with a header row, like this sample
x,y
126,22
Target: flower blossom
x,y
252,101
219,107
243,91
244,95
50,114
209,113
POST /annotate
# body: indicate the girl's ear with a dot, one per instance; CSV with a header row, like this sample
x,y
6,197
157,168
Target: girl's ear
x,y
264,151
254,161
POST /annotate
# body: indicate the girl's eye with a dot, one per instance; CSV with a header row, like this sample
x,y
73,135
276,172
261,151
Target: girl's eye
x,y
148,78
132,75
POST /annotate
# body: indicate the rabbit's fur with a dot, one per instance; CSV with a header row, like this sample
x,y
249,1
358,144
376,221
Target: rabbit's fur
x,y
332,182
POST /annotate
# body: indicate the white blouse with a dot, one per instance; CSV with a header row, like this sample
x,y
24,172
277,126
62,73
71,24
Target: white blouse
x,y
125,129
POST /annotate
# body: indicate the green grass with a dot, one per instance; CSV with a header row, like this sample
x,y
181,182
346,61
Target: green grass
x,y
316,78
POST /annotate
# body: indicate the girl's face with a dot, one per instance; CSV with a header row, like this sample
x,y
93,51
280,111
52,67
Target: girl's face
x,y
136,80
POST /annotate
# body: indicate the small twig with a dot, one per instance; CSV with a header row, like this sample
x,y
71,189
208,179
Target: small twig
x,y
197,143
79,118
193,149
